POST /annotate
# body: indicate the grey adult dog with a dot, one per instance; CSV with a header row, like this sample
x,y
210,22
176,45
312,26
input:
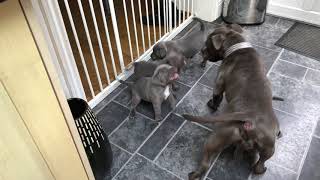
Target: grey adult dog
x,y
154,89
250,121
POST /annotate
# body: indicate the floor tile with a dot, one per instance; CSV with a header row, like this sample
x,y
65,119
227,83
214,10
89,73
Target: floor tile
x,y
300,98
263,36
300,59
183,153
210,76
313,77
270,21
310,170
107,99
161,136
141,169
284,24
124,97
268,56
120,157
275,172
289,70
227,167
133,132
196,101
111,116
147,109
296,133
193,71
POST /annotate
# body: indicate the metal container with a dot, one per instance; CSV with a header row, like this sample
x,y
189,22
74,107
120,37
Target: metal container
x,y
244,11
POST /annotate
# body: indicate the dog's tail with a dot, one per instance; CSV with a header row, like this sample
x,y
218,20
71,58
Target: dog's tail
x,y
202,26
230,117
277,98
129,84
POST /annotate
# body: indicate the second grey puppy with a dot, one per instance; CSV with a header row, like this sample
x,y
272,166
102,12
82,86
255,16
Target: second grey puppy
x,y
155,89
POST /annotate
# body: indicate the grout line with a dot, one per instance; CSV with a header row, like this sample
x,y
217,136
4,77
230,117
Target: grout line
x,y
124,165
100,109
183,83
120,147
118,126
300,65
206,86
316,136
283,167
210,168
160,166
285,76
294,115
275,25
304,76
306,150
265,47
270,70
165,146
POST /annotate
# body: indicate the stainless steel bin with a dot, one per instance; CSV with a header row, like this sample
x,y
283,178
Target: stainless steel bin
x,y
244,11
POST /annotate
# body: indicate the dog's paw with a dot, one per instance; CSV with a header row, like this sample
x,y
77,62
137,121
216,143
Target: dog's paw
x,y
193,176
259,169
213,105
175,87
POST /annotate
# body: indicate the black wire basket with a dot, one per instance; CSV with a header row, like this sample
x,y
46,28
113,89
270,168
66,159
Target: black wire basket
x,y
94,140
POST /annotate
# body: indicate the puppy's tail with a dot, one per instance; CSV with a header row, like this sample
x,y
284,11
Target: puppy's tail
x,y
129,84
202,26
237,117
276,98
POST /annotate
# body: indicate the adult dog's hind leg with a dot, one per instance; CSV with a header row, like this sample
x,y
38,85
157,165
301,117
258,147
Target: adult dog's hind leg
x,y
215,144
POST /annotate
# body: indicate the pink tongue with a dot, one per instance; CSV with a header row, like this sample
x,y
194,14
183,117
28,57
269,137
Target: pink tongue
x,y
175,76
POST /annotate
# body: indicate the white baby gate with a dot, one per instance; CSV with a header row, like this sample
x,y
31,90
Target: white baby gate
x,y
81,74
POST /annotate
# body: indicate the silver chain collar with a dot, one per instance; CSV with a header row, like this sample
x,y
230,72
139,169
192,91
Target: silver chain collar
x,y
236,47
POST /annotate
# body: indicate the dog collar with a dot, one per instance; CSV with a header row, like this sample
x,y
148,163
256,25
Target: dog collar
x,y
236,47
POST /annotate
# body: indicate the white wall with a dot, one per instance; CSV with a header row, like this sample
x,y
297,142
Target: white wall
x,y
301,10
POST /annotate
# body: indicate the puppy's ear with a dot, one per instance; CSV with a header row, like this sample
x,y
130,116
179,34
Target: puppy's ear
x,y
235,27
217,40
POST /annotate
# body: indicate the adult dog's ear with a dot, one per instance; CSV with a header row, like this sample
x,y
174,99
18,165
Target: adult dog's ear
x,y
235,27
217,40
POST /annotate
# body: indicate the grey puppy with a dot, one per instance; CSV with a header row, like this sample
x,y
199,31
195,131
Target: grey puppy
x,y
154,89
251,121
188,45
178,51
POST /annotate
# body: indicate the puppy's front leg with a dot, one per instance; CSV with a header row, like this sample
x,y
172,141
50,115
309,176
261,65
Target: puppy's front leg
x,y
157,109
172,101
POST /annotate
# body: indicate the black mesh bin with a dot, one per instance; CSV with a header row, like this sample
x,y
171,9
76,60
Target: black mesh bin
x,y
94,140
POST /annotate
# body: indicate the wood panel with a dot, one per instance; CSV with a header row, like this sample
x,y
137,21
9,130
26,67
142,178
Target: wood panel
x,y
26,80
19,156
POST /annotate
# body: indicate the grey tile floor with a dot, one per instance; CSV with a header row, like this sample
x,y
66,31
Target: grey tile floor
x,y
144,149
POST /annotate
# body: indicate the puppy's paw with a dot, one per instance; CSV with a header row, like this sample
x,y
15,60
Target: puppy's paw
x,y
193,176
259,169
203,64
175,87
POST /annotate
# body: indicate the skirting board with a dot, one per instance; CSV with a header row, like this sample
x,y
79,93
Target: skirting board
x,y
294,13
